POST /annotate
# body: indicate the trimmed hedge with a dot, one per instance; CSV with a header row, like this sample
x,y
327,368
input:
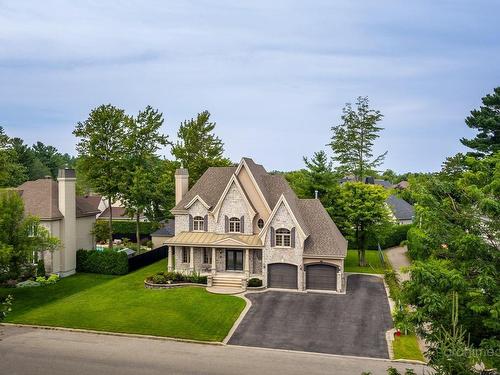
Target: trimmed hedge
x,y
107,262
123,228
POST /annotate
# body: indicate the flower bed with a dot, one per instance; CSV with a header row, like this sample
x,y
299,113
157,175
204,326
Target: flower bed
x,y
174,279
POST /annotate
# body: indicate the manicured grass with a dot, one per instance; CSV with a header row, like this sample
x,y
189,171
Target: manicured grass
x,y
372,258
406,347
122,304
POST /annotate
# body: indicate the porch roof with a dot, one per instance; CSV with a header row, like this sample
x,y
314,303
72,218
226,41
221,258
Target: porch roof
x,y
210,239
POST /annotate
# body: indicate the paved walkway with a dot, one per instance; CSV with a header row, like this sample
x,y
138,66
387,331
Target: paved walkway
x,y
28,351
398,258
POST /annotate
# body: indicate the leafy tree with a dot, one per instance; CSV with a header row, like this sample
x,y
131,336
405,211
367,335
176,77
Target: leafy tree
x,y
142,142
352,140
487,122
100,148
20,236
198,148
361,212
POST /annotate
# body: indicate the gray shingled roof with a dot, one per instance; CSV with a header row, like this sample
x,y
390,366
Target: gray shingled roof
x,y
325,238
401,209
310,214
168,230
41,199
209,187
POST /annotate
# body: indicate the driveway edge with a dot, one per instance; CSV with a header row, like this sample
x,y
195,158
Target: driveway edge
x,y
239,320
108,333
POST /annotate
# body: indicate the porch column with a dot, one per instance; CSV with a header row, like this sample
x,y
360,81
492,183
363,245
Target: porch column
x,y
246,263
191,259
214,269
339,280
170,265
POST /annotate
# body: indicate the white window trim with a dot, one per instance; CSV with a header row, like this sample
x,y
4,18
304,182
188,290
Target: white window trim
x,y
282,236
236,223
199,223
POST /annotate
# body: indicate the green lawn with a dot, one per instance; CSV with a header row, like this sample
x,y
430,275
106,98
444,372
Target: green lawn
x,y
372,257
406,347
122,304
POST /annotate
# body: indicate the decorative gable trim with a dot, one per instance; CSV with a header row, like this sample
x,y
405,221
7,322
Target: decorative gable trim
x,y
193,201
230,242
252,178
281,201
233,180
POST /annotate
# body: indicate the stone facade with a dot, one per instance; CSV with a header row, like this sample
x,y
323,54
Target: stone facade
x,y
234,206
283,219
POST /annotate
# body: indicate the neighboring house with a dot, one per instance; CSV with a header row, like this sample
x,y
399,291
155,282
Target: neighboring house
x,y
241,222
160,237
101,204
402,185
66,216
119,214
402,211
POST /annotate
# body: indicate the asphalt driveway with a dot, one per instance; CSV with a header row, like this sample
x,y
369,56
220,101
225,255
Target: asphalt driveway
x,y
351,324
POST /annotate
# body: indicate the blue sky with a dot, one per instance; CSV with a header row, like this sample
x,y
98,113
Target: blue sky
x,y
274,74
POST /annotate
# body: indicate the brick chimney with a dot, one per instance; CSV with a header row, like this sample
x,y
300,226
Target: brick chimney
x,y
181,183
67,206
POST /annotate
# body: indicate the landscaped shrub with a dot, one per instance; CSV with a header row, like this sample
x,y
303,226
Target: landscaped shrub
x,y
159,279
52,279
27,284
176,277
254,282
107,262
40,268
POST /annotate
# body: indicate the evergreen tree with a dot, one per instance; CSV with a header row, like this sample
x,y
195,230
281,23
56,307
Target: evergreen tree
x,y
487,122
198,147
352,141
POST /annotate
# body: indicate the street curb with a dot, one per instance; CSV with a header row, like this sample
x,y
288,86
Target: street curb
x,y
107,333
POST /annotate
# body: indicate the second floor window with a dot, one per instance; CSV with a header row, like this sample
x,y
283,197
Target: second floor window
x,y
234,225
198,223
283,237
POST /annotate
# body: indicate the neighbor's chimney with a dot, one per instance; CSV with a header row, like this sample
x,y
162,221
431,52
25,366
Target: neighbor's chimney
x,y
316,194
67,206
181,183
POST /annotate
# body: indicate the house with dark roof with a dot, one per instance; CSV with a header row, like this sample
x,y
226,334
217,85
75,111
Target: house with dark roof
x,y
65,215
241,222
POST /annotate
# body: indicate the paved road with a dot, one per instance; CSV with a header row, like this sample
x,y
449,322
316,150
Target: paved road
x,y
398,258
38,351
350,324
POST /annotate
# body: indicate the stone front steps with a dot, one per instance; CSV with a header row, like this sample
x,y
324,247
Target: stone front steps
x,y
227,284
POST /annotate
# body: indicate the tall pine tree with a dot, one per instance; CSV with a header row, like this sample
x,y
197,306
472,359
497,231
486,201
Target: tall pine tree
x,y
352,140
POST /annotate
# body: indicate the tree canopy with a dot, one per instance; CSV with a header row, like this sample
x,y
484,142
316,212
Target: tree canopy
x,y
198,148
352,141
486,120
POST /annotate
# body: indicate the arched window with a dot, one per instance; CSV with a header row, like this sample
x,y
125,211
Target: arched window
x,y
234,225
283,237
260,223
198,223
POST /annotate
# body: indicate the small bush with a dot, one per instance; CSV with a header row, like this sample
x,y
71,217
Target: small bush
x,y
52,279
40,268
254,282
107,262
196,278
27,284
159,279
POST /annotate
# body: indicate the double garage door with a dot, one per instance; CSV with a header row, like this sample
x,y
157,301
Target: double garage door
x,y
318,276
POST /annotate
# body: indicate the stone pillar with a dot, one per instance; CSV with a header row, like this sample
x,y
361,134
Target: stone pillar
x,y
191,259
246,263
214,267
170,266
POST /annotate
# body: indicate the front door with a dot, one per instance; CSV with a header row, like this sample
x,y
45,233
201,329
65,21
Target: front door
x,y
234,260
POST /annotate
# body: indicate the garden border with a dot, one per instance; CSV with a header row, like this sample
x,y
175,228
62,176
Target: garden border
x,y
149,285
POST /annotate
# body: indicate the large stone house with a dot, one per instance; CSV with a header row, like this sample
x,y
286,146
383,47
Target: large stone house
x,y
241,222
66,216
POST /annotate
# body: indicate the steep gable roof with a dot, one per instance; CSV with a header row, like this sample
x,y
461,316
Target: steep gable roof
x,y
401,209
41,199
325,238
209,187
